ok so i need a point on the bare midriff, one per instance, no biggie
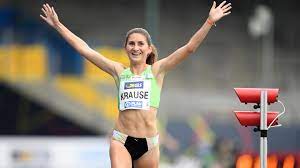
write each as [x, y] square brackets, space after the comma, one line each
[137, 123]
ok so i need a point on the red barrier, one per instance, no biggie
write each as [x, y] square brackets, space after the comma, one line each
[252, 95]
[252, 118]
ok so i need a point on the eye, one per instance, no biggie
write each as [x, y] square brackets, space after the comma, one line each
[131, 43]
[141, 43]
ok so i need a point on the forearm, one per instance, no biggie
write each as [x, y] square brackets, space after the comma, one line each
[182, 53]
[77, 43]
[198, 37]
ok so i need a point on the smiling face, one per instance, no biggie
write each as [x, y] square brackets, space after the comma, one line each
[137, 48]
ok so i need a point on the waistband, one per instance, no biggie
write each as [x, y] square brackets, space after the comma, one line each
[121, 137]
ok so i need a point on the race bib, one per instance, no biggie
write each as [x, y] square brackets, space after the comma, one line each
[135, 94]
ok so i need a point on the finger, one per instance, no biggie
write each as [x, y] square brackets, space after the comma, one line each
[227, 13]
[44, 11]
[54, 11]
[45, 8]
[214, 5]
[227, 9]
[45, 19]
[222, 4]
[225, 6]
[49, 8]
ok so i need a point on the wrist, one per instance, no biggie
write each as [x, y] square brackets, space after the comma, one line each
[57, 25]
[210, 22]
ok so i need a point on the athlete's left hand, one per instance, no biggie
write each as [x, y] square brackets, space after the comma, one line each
[216, 13]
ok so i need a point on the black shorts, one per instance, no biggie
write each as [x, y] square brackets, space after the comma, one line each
[136, 147]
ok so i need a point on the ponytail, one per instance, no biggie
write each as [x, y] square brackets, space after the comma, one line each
[152, 57]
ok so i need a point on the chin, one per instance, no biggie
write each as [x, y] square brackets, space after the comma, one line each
[136, 61]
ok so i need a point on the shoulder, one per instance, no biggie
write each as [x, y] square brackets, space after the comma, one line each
[157, 72]
[119, 68]
[157, 68]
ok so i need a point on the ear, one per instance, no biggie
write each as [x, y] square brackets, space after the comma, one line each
[150, 49]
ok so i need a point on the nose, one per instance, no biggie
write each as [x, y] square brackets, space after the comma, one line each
[135, 48]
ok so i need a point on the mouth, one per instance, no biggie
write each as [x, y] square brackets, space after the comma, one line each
[135, 54]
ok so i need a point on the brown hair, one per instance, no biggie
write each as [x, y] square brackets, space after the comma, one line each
[152, 57]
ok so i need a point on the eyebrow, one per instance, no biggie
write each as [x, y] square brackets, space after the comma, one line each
[137, 41]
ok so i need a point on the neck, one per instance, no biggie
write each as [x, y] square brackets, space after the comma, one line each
[137, 69]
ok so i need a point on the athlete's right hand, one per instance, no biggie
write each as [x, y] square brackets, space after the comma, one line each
[50, 15]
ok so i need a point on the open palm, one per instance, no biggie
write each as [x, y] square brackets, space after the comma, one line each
[216, 13]
[50, 15]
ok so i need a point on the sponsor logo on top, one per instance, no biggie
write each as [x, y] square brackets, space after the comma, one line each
[134, 85]
[136, 104]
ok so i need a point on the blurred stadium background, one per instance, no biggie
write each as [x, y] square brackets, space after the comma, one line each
[57, 109]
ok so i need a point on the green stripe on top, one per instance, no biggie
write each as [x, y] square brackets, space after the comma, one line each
[147, 74]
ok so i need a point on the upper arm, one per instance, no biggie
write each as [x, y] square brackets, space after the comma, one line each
[173, 59]
[111, 67]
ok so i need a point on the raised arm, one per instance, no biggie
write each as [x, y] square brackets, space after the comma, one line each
[215, 14]
[107, 65]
